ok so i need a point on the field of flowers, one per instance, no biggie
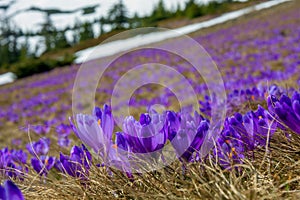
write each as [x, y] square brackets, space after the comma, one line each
[52, 154]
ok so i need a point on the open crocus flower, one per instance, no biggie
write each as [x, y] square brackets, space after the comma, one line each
[147, 135]
[43, 164]
[41, 129]
[9, 191]
[96, 130]
[286, 110]
[186, 133]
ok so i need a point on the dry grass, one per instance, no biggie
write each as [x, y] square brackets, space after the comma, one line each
[274, 173]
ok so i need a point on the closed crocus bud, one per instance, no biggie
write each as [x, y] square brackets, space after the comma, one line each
[10, 191]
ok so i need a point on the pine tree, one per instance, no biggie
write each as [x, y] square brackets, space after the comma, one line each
[160, 12]
[192, 9]
[61, 40]
[86, 31]
[48, 31]
[117, 15]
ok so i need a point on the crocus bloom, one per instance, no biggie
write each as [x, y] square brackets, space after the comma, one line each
[96, 130]
[147, 135]
[230, 148]
[254, 127]
[43, 164]
[63, 131]
[41, 147]
[244, 126]
[77, 164]
[186, 133]
[9, 191]
[12, 163]
[41, 129]
[264, 125]
[286, 110]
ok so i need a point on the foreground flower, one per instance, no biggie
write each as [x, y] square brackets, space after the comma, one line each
[95, 130]
[77, 164]
[286, 110]
[9, 191]
[264, 126]
[147, 135]
[186, 133]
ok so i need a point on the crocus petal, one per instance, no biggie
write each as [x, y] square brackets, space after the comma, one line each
[90, 132]
[296, 108]
[12, 192]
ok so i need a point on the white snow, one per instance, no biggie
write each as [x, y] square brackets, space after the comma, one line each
[7, 78]
[118, 46]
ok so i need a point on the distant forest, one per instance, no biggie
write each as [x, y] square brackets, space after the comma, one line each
[18, 58]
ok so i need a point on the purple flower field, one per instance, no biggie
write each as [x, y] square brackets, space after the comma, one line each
[52, 153]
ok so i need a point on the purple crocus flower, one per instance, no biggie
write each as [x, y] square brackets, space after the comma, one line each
[19, 156]
[41, 147]
[147, 135]
[286, 110]
[41, 129]
[9, 191]
[63, 131]
[12, 163]
[264, 125]
[244, 126]
[230, 148]
[186, 133]
[254, 127]
[64, 142]
[77, 164]
[96, 130]
[43, 164]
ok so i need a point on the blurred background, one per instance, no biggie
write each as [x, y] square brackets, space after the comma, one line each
[40, 35]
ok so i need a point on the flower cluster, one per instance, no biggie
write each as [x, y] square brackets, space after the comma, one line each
[13, 163]
[238, 139]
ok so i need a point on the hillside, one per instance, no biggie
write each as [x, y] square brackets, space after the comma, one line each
[239, 139]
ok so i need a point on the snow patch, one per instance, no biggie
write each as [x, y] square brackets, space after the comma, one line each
[7, 78]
